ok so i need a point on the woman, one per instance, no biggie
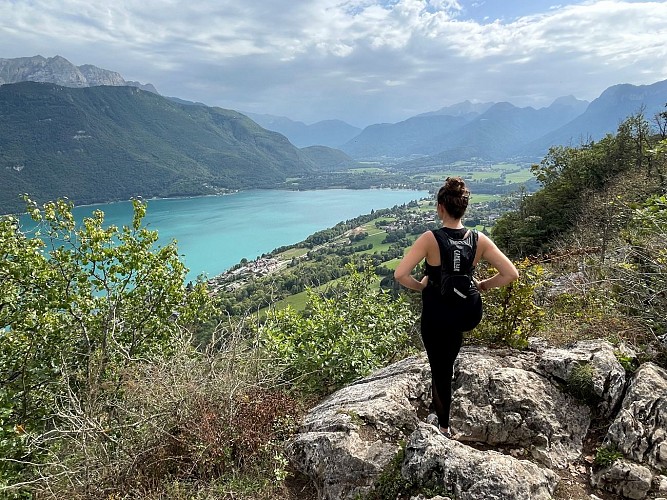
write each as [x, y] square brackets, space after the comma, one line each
[443, 320]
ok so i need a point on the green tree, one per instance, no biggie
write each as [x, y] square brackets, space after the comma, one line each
[568, 176]
[78, 305]
[511, 314]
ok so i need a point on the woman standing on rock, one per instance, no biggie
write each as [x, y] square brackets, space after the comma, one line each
[450, 296]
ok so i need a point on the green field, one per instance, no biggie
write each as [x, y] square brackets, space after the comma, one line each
[512, 173]
[521, 176]
[375, 237]
[484, 198]
[487, 174]
[299, 300]
[293, 252]
[367, 170]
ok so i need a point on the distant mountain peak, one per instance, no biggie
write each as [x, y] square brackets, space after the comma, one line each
[332, 133]
[60, 71]
[464, 108]
[569, 101]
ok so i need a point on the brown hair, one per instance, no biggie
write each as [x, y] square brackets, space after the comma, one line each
[453, 196]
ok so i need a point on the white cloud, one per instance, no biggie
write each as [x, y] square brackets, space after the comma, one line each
[359, 60]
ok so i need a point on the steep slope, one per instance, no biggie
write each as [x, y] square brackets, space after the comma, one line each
[464, 134]
[329, 159]
[107, 143]
[414, 136]
[604, 115]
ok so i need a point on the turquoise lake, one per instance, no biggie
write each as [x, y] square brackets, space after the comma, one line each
[214, 233]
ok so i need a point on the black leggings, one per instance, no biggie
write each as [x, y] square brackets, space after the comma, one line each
[442, 327]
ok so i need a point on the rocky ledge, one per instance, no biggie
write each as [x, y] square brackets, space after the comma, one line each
[521, 421]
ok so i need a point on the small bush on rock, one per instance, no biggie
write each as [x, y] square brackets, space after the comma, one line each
[607, 455]
[580, 384]
[511, 314]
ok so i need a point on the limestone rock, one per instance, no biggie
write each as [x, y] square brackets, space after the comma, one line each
[471, 474]
[640, 428]
[346, 441]
[437, 497]
[625, 478]
[499, 401]
[60, 71]
[608, 375]
[660, 484]
[510, 400]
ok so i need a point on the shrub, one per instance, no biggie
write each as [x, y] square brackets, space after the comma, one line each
[187, 421]
[339, 337]
[581, 385]
[78, 307]
[628, 362]
[641, 277]
[607, 455]
[391, 483]
[511, 314]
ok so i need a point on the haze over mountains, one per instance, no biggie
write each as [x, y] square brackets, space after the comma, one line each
[499, 131]
[86, 135]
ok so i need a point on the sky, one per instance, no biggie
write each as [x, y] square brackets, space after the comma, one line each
[360, 61]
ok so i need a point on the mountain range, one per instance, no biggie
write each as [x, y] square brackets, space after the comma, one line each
[483, 131]
[330, 133]
[486, 131]
[87, 133]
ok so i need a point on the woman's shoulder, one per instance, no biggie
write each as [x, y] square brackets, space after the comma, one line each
[485, 243]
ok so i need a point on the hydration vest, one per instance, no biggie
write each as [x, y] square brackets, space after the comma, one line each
[456, 264]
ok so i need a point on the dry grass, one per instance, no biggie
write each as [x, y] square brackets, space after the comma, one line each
[194, 425]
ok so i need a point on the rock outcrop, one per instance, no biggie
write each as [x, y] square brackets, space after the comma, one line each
[346, 441]
[625, 478]
[499, 401]
[517, 424]
[607, 374]
[469, 474]
[640, 428]
[60, 71]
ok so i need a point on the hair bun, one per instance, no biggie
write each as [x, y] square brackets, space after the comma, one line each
[453, 196]
[455, 186]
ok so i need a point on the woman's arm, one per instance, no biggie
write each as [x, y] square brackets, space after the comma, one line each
[506, 270]
[415, 255]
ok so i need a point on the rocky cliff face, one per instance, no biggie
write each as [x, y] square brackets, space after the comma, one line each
[522, 431]
[60, 71]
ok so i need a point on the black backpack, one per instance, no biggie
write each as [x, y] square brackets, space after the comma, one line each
[456, 264]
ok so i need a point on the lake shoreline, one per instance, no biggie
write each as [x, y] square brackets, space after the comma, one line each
[215, 232]
[190, 197]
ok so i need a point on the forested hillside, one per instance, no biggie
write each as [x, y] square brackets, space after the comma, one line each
[588, 185]
[113, 143]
